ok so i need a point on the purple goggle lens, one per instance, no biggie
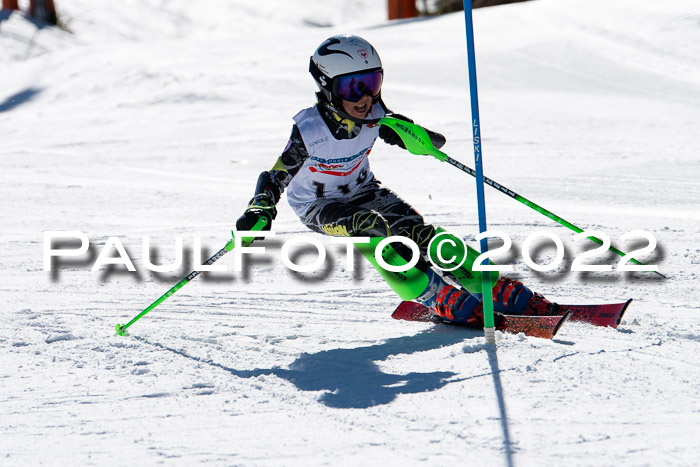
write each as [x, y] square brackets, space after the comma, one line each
[353, 87]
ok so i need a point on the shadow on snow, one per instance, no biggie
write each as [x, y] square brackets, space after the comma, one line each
[351, 378]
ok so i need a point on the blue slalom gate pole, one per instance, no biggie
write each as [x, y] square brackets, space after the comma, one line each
[487, 296]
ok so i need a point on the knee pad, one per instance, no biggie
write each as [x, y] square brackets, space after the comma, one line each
[421, 235]
[369, 224]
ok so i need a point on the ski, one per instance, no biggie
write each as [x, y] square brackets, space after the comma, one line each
[537, 326]
[598, 315]
[545, 327]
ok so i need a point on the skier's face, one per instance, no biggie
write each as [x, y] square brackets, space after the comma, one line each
[358, 109]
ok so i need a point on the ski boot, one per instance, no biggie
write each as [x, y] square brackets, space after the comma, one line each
[513, 298]
[455, 305]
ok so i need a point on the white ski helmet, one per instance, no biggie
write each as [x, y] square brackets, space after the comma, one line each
[346, 67]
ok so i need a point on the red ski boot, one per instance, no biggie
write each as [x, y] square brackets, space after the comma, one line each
[513, 298]
[459, 306]
[540, 306]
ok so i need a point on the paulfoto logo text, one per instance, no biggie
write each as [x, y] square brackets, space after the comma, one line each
[440, 252]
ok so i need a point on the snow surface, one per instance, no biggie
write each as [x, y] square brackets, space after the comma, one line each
[154, 119]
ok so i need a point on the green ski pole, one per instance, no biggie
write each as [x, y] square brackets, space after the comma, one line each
[417, 141]
[121, 328]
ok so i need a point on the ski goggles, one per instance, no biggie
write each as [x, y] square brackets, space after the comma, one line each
[353, 87]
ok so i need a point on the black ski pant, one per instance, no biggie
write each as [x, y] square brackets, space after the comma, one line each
[374, 211]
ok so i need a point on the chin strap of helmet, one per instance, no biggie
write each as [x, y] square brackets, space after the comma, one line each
[345, 116]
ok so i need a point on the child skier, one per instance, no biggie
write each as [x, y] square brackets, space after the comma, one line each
[325, 170]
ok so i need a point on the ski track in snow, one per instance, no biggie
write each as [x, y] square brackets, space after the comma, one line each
[155, 121]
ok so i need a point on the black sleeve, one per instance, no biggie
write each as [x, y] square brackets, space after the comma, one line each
[286, 166]
[292, 158]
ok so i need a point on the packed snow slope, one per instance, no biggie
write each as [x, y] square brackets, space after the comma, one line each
[154, 119]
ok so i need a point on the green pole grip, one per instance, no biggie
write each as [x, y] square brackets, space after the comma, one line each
[414, 137]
